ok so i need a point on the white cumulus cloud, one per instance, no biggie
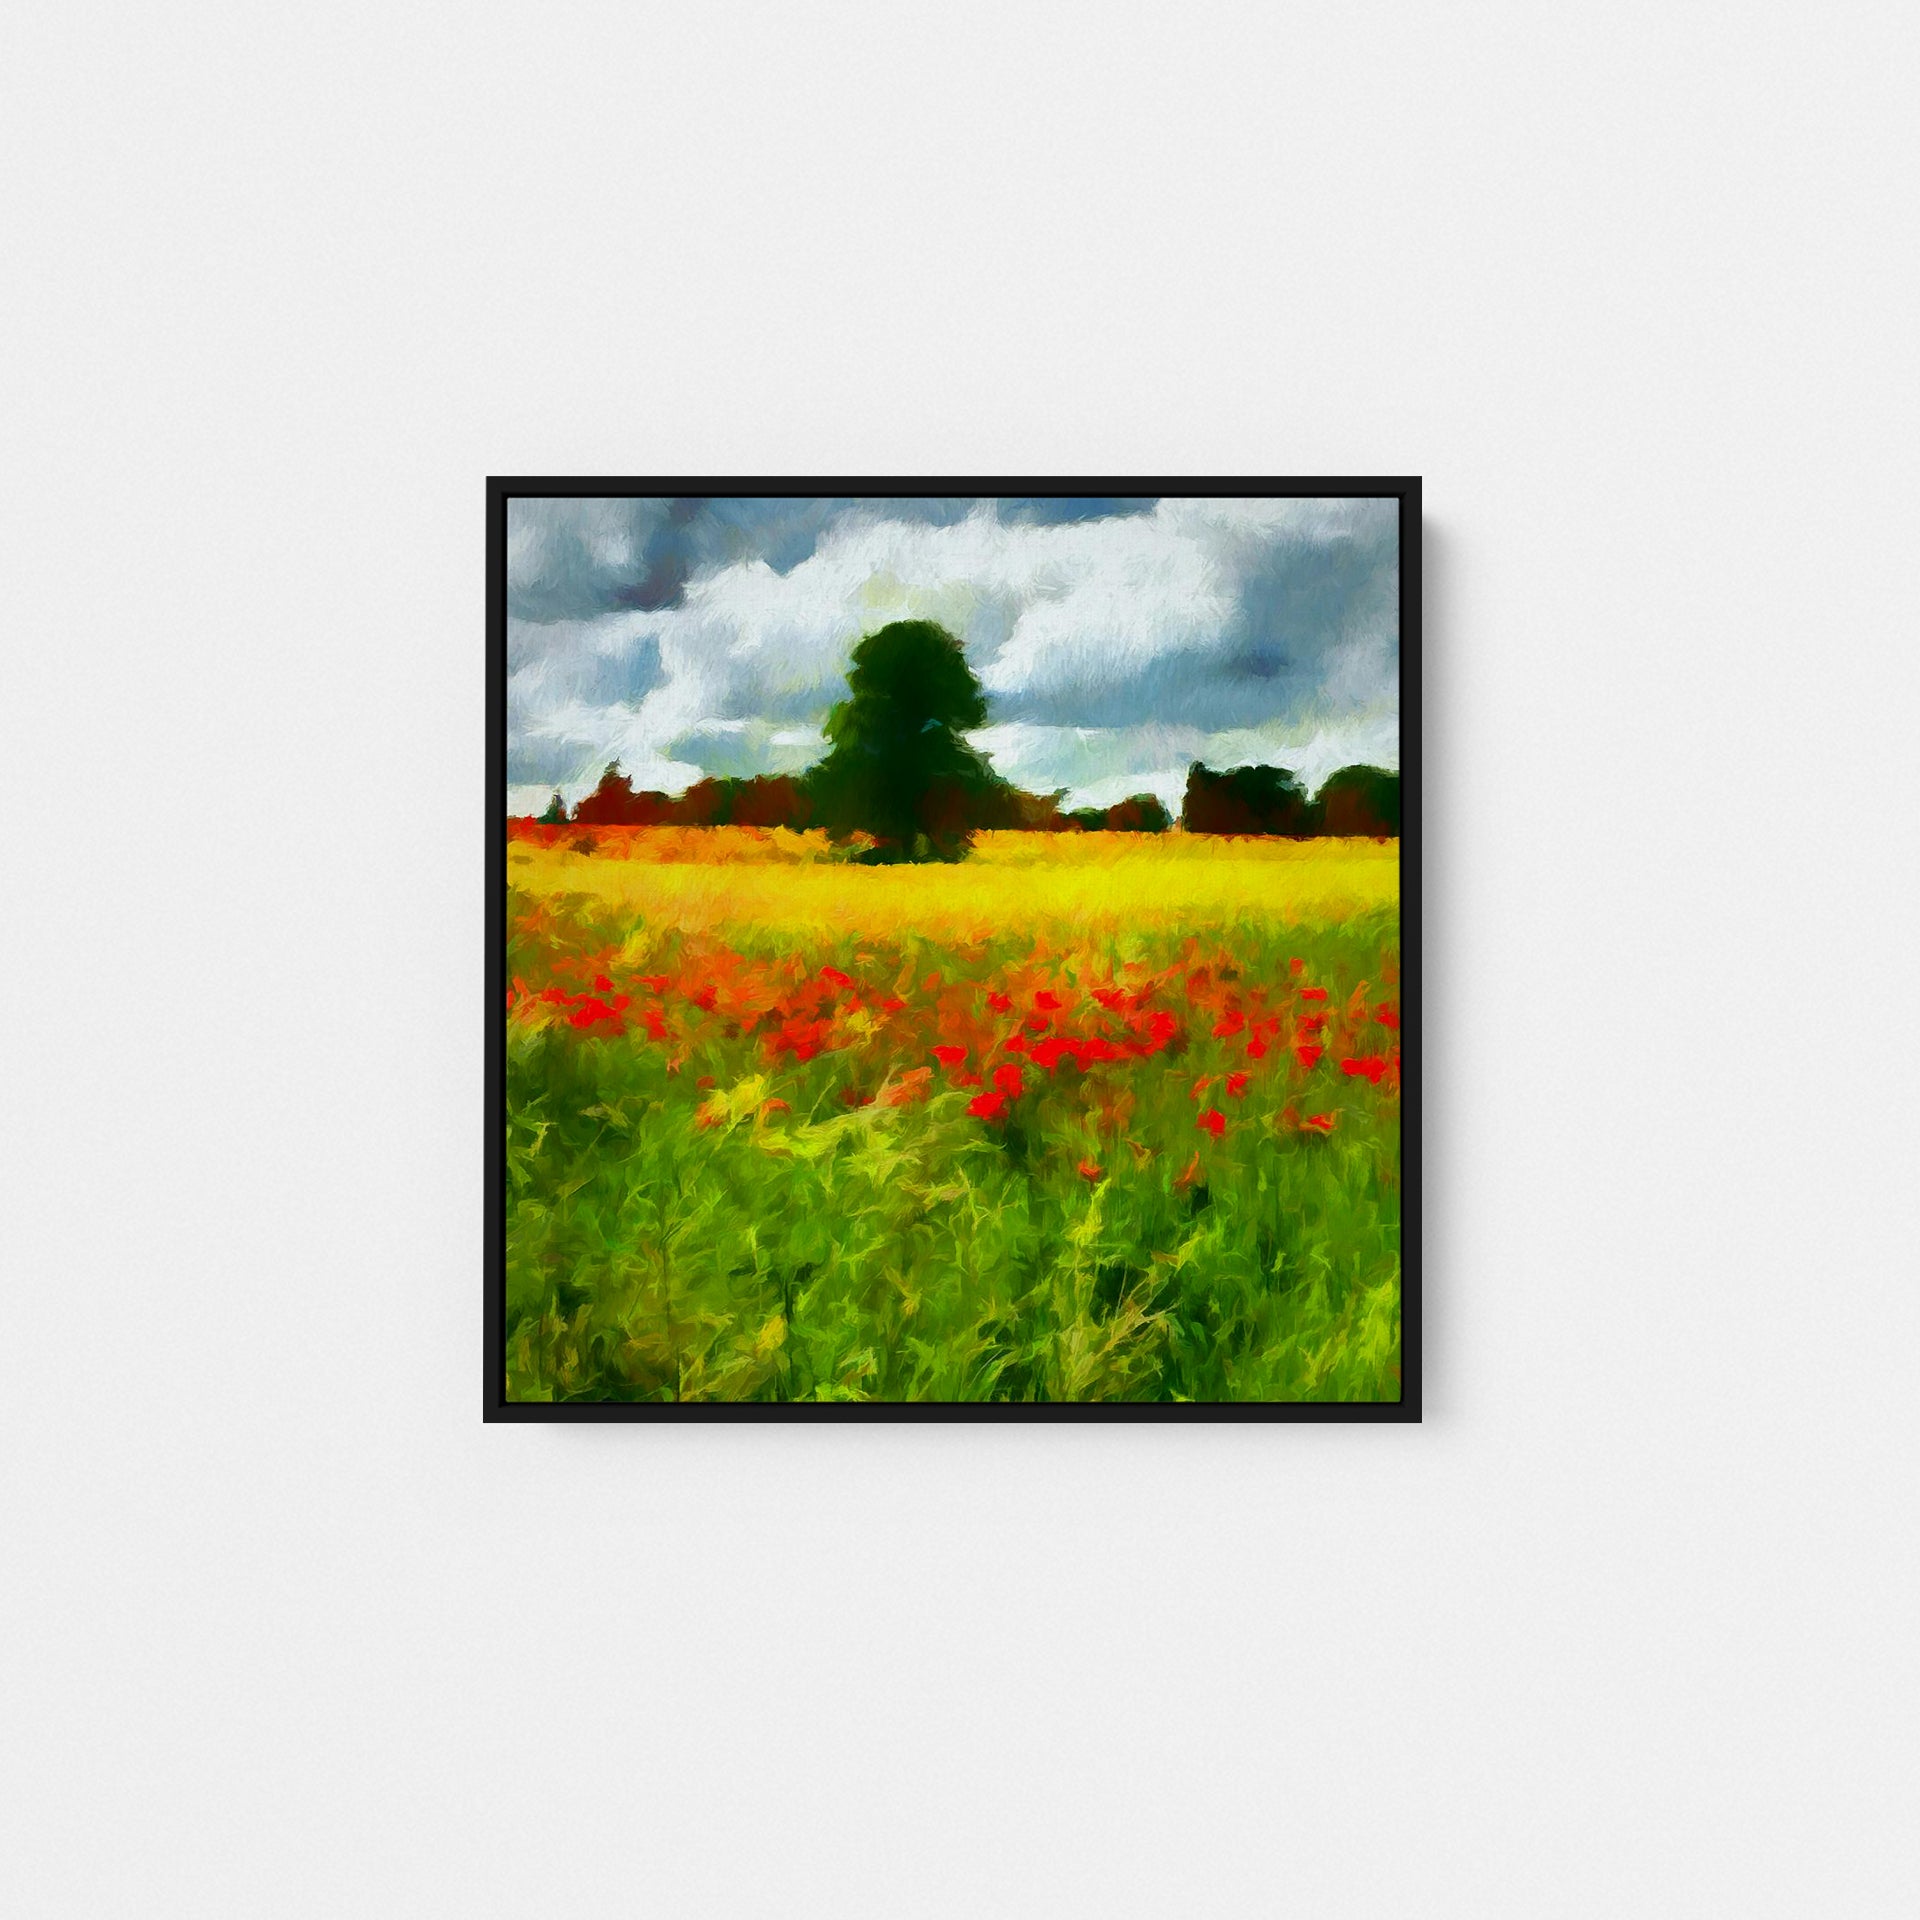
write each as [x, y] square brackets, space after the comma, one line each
[1114, 648]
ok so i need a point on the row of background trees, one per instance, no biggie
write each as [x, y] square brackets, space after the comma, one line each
[1252, 800]
[899, 769]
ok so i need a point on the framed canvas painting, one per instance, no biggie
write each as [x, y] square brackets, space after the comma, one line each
[953, 950]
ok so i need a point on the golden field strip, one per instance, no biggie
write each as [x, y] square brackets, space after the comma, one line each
[695, 880]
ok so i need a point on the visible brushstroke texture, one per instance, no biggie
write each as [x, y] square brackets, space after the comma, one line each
[1118, 641]
[875, 1029]
[1088, 1116]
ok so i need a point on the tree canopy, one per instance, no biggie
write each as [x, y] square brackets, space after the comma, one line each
[898, 768]
[1360, 800]
[1246, 800]
[1356, 801]
[1138, 813]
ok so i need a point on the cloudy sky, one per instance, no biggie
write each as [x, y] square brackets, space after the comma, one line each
[1118, 639]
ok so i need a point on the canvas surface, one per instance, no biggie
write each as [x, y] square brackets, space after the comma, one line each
[953, 951]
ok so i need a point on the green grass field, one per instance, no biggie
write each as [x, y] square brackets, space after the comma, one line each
[1155, 1157]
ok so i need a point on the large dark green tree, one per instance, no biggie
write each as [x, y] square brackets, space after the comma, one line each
[898, 767]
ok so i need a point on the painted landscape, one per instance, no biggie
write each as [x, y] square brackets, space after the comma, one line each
[886, 1075]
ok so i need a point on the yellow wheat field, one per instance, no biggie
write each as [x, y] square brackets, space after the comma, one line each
[702, 879]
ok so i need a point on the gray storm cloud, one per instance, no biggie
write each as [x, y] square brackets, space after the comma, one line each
[1118, 640]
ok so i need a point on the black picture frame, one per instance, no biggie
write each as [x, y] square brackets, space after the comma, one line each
[497, 1407]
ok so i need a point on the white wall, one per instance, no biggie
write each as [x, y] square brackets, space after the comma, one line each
[1625, 1627]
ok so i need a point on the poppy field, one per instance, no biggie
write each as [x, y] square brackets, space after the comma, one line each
[1085, 1117]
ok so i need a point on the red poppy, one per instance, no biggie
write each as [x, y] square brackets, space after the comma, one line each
[1000, 1003]
[1257, 1047]
[801, 1038]
[949, 1056]
[1008, 1081]
[1236, 1085]
[773, 1106]
[1088, 1170]
[656, 1025]
[834, 977]
[1159, 1029]
[1372, 1066]
[1200, 1086]
[1308, 1054]
[1228, 1025]
[986, 1106]
[1047, 1002]
[1296, 967]
[893, 1005]
[1317, 1123]
[1018, 1043]
[1388, 1017]
[1048, 1053]
[654, 982]
[1313, 993]
[1213, 1121]
[601, 981]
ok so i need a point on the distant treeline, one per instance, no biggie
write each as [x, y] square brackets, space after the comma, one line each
[1356, 800]
[1362, 801]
